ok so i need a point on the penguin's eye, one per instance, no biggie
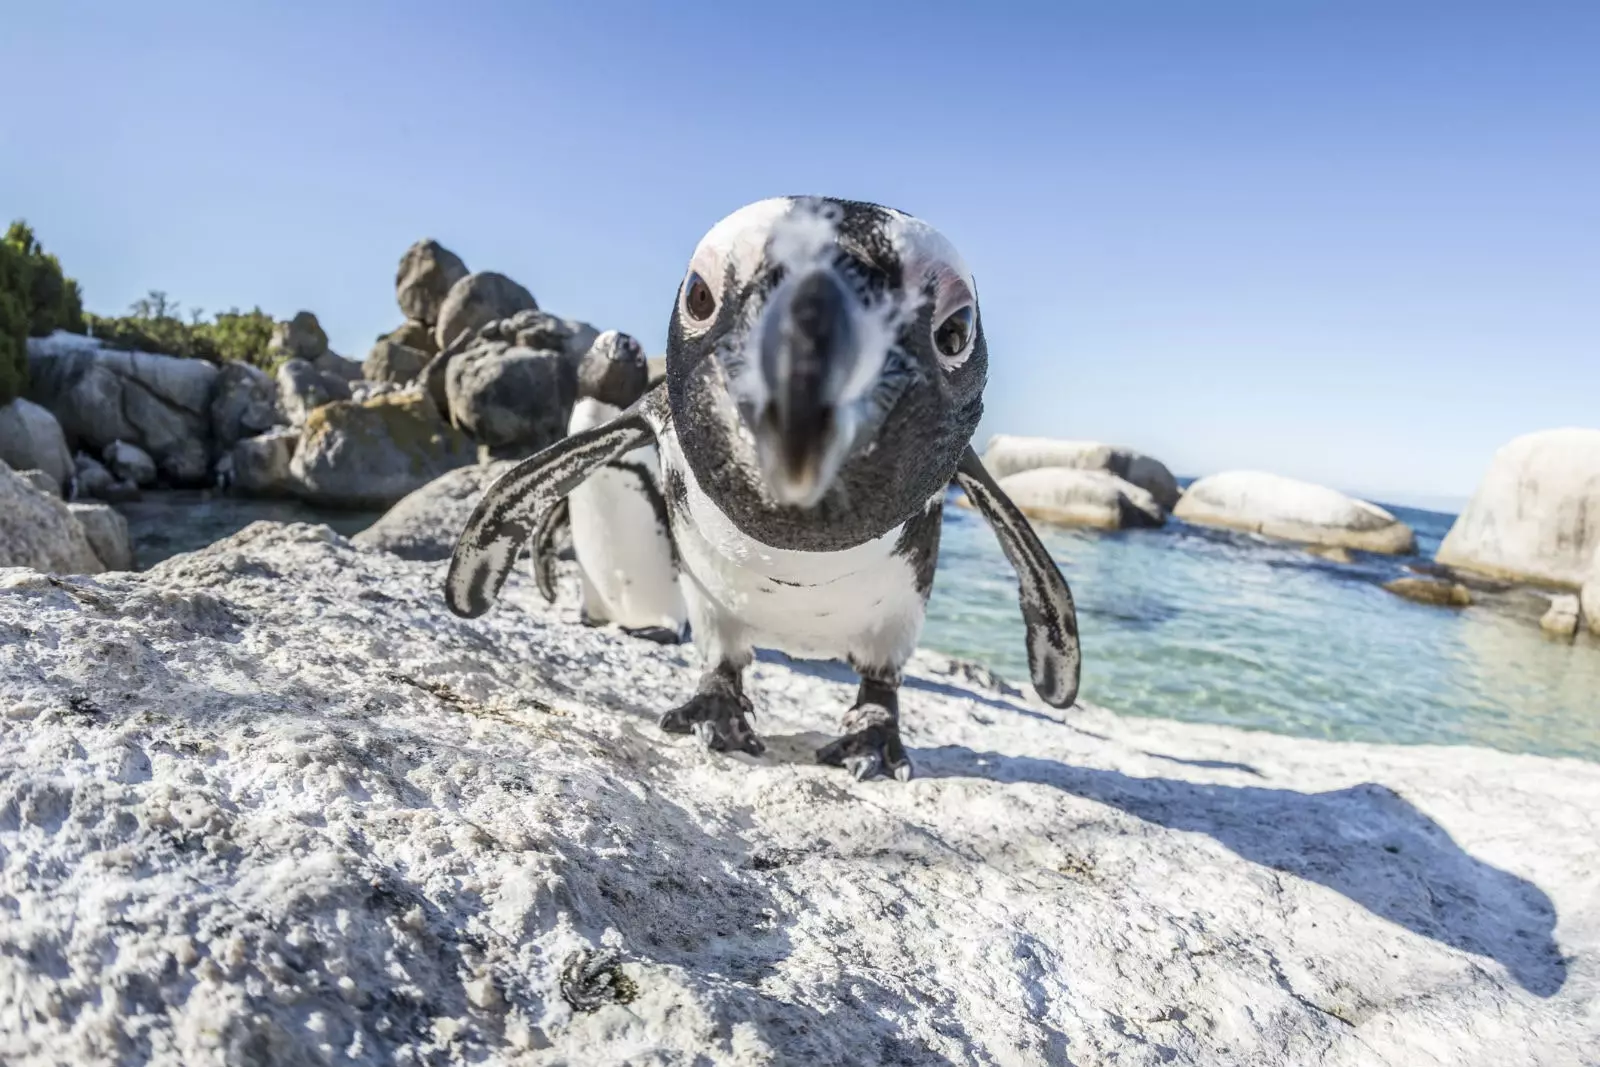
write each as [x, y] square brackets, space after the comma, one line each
[698, 301]
[954, 333]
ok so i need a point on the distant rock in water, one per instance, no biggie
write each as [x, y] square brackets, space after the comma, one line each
[1292, 510]
[477, 300]
[31, 439]
[1536, 514]
[1562, 618]
[1431, 591]
[370, 455]
[1589, 598]
[1007, 454]
[426, 523]
[1093, 498]
[427, 271]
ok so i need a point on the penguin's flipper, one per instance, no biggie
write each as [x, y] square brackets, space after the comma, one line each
[515, 505]
[1053, 654]
[544, 549]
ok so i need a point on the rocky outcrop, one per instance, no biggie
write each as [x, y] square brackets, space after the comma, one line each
[261, 465]
[129, 463]
[93, 480]
[31, 439]
[99, 395]
[390, 361]
[512, 400]
[426, 523]
[1094, 498]
[272, 799]
[1431, 591]
[1292, 510]
[302, 388]
[427, 272]
[1536, 514]
[38, 530]
[1007, 454]
[476, 300]
[108, 535]
[370, 455]
[244, 404]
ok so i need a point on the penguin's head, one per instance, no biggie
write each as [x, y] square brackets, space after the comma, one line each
[825, 361]
[614, 370]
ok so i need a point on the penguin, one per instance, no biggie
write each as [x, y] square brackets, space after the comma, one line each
[617, 518]
[826, 363]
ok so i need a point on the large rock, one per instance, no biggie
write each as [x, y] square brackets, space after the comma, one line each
[261, 465]
[38, 530]
[414, 334]
[390, 361]
[31, 439]
[426, 523]
[475, 301]
[273, 803]
[337, 366]
[1094, 498]
[427, 272]
[244, 404]
[1007, 454]
[301, 337]
[108, 534]
[513, 400]
[302, 388]
[1536, 514]
[1432, 591]
[91, 479]
[1275, 506]
[370, 455]
[101, 395]
[129, 463]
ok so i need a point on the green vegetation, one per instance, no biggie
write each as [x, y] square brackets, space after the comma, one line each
[154, 324]
[36, 299]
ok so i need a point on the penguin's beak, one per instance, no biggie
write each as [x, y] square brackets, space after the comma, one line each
[810, 350]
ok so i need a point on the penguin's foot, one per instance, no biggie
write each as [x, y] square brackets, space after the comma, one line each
[871, 745]
[659, 634]
[718, 714]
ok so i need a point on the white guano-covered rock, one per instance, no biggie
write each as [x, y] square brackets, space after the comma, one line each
[1292, 510]
[1536, 514]
[273, 799]
[1008, 454]
[31, 439]
[1092, 498]
[38, 530]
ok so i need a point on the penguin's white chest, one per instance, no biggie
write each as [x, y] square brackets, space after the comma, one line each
[859, 604]
[620, 537]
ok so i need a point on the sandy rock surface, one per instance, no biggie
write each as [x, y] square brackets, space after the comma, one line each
[271, 803]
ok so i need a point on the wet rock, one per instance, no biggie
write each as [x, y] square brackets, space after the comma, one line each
[1431, 591]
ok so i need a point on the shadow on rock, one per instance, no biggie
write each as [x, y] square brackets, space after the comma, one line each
[1365, 842]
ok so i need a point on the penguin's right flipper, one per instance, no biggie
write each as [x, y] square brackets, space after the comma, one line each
[544, 548]
[1053, 655]
[516, 504]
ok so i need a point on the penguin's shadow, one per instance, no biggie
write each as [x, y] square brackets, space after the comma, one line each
[1365, 842]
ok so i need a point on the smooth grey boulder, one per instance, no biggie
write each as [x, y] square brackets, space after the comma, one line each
[477, 300]
[390, 361]
[276, 788]
[38, 530]
[425, 524]
[1098, 499]
[260, 465]
[1536, 514]
[92, 480]
[129, 463]
[162, 404]
[369, 455]
[107, 532]
[1292, 510]
[302, 388]
[31, 439]
[301, 337]
[427, 272]
[414, 334]
[244, 404]
[1008, 454]
[512, 400]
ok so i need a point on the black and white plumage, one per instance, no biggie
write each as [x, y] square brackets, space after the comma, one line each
[825, 372]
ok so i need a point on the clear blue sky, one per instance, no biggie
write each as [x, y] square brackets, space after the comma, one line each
[1357, 242]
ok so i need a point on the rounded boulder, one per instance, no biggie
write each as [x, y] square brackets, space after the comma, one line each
[1291, 510]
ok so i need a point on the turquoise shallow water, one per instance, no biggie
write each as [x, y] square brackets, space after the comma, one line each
[1185, 623]
[1192, 624]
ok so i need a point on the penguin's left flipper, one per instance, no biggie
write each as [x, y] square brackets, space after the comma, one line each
[516, 504]
[1054, 658]
[544, 549]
